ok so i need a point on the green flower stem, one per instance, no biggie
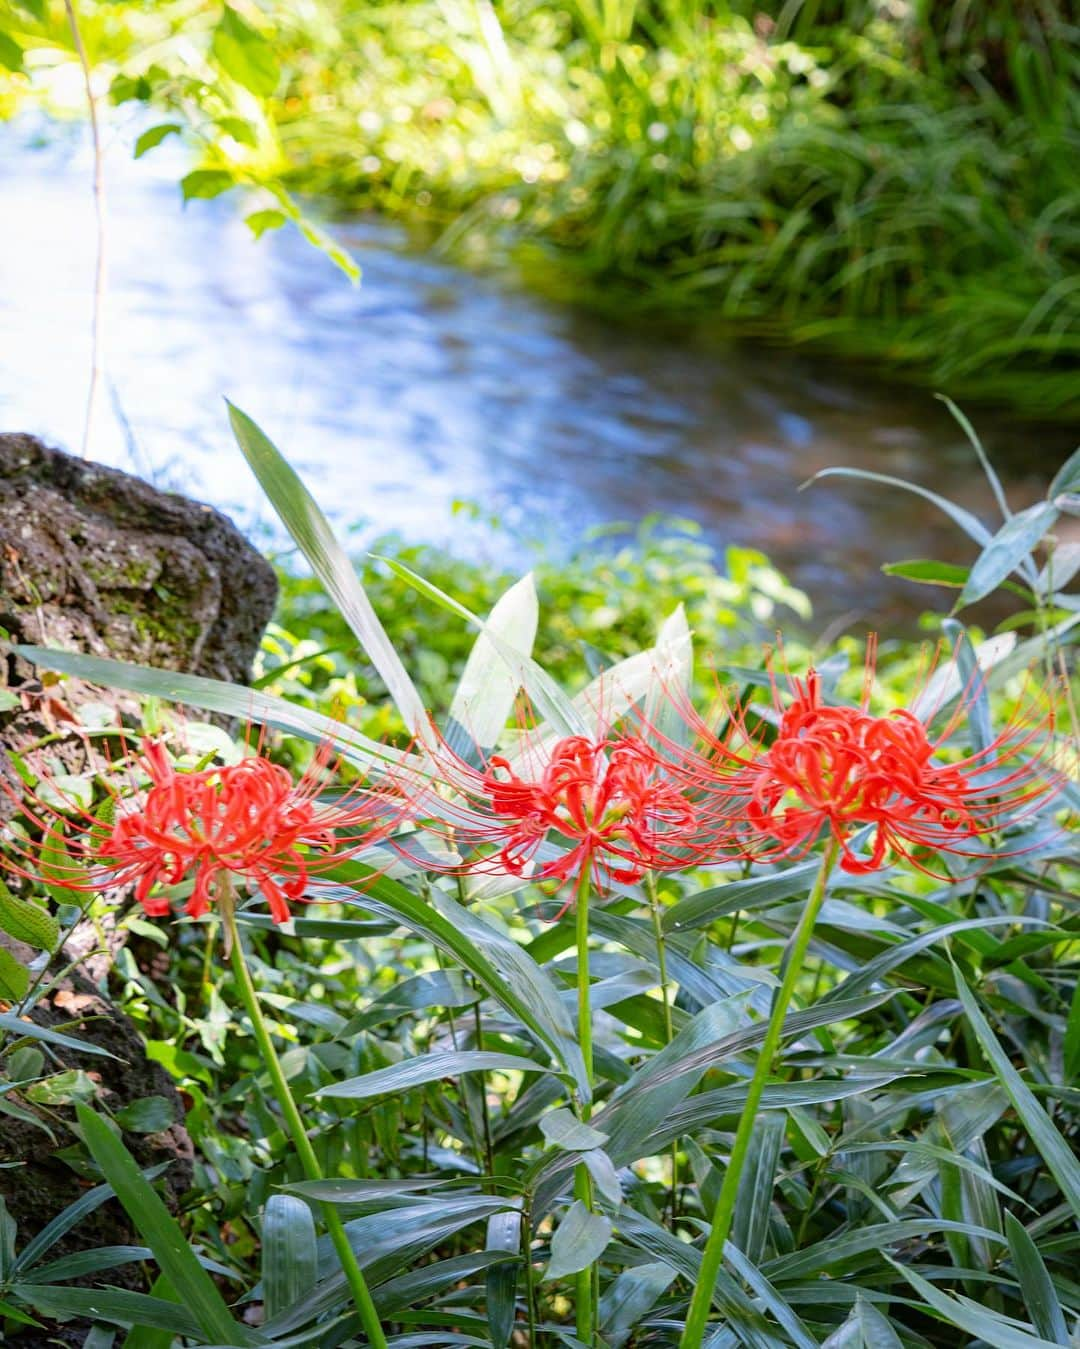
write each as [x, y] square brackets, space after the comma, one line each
[698, 1316]
[369, 1317]
[586, 1309]
[669, 1032]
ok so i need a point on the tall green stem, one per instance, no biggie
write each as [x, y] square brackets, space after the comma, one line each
[669, 1031]
[698, 1316]
[586, 1309]
[369, 1317]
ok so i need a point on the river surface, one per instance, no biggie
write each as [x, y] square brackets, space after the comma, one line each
[427, 385]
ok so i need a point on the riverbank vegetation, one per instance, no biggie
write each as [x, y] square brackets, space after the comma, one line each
[890, 179]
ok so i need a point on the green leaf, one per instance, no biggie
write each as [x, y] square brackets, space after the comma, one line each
[290, 1259]
[865, 1328]
[154, 136]
[969, 1317]
[308, 526]
[147, 1115]
[245, 54]
[1010, 547]
[1040, 1296]
[118, 1306]
[258, 222]
[743, 896]
[564, 1130]
[216, 695]
[488, 686]
[503, 1234]
[206, 183]
[14, 978]
[500, 965]
[11, 55]
[28, 1030]
[579, 1240]
[750, 1225]
[177, 1261]
[27, 922]
[970, 524]
[929, 572]
[82, 1263]
[1067, 479]
[411, 1073]
[1056, 1153]
[626, 1302]
[241, 131]
[63, 1088]
[10, 1313]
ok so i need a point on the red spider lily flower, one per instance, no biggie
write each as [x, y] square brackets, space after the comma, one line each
[249, 819]
[839, 770]
[607, 807]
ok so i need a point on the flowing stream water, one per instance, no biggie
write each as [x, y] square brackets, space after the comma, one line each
[427, 385]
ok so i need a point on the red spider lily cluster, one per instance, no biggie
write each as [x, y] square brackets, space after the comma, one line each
[619, 807]
[840, 770]
[249, 820]
[608, 809]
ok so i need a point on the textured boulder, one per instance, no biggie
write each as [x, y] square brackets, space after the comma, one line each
[94, 559]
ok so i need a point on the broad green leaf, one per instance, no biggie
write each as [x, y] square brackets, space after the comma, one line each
[625, 1303]
[833, 1252]
[234, 700]
[259, 222]
[27, 1029]
[604, 1176]
[361, 1192]
[1040, 1296]
[1067, 479]
[739, 896]
[82, 1263]
[564, 1130]
[154, 135]
[308, 526]
[579, 1240]
[399, 1077]
[437, 988]
[148, 1115]
[397, 1294]
[1056, 1153]
[120, 1307]
[502, 967]
[485, 695]
[176, 1259]
[750, 1225]
[14, 977]
[202, 184]
[759, 1285]
[11, 54]
[968, 1316]
[504, 1234]
[929, 573]
[290, 1262]
[1008, 550]
[10, 1313]
[547, 697]
[865, 1328]
[27, 922]
[245, 55]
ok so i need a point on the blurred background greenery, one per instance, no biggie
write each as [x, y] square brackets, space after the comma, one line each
[887, 179]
